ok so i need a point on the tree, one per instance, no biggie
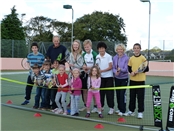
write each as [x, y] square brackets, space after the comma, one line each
[100, 26]
[11, 29]
[170, 56]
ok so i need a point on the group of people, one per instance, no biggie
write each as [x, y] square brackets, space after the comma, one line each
[91, 72]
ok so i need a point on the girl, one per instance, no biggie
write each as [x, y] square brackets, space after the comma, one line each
[62, 91]
[76, 59]
[94, 81]
[76, 86]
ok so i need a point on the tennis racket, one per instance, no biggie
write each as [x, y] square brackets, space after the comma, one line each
[143, 67]
[39, 81]
[117, 64]
[56, 80]
[25, 64]
[98, 62]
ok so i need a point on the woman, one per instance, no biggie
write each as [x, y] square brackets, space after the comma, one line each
[120, 70]
[76, 59]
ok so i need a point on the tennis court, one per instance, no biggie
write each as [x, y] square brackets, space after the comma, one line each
[17, 117]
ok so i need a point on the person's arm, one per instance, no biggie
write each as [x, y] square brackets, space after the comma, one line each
[98, 83]
[125, 67]
[66, 84]
[107, 69]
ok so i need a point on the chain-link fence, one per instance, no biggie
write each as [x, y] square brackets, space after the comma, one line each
[20, 48]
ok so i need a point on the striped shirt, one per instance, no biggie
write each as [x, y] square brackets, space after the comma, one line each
[35, 59]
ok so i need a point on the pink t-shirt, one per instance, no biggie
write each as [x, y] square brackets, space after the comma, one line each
[94, 83]
[77, 85]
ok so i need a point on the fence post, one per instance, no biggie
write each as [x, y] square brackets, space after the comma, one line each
[12, 48]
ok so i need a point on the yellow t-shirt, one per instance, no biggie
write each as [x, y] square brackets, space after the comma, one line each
[134, 63]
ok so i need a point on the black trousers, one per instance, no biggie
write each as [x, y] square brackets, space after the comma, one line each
[139, 93]
[28, 88]
[107, 82]
[121, 94]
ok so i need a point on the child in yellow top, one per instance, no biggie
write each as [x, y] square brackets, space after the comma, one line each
[136, 79]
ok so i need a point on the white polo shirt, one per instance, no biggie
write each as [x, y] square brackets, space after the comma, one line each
[103, 63]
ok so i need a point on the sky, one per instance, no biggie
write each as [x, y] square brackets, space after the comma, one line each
[134, 13]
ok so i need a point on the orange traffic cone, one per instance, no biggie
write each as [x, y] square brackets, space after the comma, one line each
[99, 126]
[121, 119]
[37, 115]
[9, 102]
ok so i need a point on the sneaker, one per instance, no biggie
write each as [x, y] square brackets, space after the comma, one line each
[54, 110]
[59, 111]
[120, 114]
[118, 111]
[82, 109]
[25, 102]
[76, 114]
[87, 115]
[34, 107]
[100, 115]
[94, 110]
[65, 113]
[111, 111]
[129, 113]
[140, 115]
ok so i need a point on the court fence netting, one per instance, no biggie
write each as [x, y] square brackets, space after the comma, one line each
[159, 100]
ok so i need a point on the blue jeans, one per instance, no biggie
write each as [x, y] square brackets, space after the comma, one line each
[40, 93]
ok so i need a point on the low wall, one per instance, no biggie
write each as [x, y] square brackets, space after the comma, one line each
[156, 68]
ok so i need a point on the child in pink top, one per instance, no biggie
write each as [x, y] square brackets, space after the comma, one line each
[94, 81]
[75, 92]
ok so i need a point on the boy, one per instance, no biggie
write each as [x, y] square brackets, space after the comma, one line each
[89, 57]
[33, 58]
[39, 80]
[105, 66]
[49, 79]
[136, 79]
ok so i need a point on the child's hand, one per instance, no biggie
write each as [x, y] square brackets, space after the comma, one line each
[72, 88]
[117, 73]
[133, 73]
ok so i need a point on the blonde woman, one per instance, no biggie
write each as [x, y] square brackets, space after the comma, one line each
[76, 59]
[120, 70]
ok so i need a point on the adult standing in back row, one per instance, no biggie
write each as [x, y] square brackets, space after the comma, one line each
[120, 70]
[56, 51]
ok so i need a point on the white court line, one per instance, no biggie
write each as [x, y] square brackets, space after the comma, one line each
[13, 73]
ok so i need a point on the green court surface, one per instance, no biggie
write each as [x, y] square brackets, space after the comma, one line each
[17, 117]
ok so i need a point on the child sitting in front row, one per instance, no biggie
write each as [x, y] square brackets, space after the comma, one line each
[94, 81]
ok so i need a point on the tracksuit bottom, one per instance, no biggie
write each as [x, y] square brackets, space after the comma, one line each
[139, 93]
[107, 82]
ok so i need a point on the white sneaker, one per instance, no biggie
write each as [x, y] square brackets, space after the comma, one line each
[54, 110]
[65, 113]
[140, 115]
[129, 113]
[94, 110]
[82, 109]
[59, 111]
[117, 111]
[111, 111]
[120, 114]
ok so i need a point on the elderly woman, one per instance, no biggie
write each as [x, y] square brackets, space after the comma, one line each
[120, 70]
